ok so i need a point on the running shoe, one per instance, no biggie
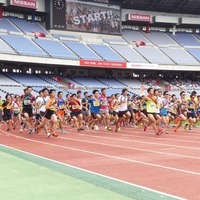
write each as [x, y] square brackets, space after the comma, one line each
[186, 127]
[48, 135]
[109, 129]
[30, 131]
[54, 134]
[96, 128]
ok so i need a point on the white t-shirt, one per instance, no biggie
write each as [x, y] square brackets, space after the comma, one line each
[122, 106]
[41, 102]
[159, 104]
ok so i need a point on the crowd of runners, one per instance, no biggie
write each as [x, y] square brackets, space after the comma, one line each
[50, 112]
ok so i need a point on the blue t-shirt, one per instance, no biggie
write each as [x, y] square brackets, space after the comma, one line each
[94, 105]
[61, 104]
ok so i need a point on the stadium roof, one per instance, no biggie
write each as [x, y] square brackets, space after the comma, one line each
[172, 6]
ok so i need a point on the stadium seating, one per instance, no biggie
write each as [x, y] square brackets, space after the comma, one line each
[154, 55]
[130, 54]
[106, 52]
[55, 48]
[23, 45]
[69, 83]
[185, 39]
[133, 83]
[195, 53]
[5, 48]
[15, 90]
[111, 83]
[29, 79]
[50, 80]
[119, 41]
[27, 26]
[132, 36]
[160, 38]
[2, 94]
[90, 82]
[82, 50]
[4, 80]
[180, 56]
[7, 25]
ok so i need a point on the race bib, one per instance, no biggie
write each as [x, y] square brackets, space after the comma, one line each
[96, 103]
[27, 102]
[74, 107]
[61, 107]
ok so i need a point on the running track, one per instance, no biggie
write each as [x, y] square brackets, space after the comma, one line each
[167, 163]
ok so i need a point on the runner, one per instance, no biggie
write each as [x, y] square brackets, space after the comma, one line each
[191, 111]
[28, 101]
[95, 110]
[61, 110]
[7, 111]
[151, 106]
[16, 111]
[182, 111]
[50, 114]
[164, 111]
[104, 109]
[85, 109]
[76, 112]
[123, 114]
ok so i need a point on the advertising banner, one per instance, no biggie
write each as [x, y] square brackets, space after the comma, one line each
[138, 17]
[32, 4]
[106, 64]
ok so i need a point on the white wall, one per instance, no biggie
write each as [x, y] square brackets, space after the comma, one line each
[3, 1]
[41, 5]
[127, 11]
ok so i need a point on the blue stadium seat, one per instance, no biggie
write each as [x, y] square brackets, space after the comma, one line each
[185, 39]
[82, 50]
[5, 24]
[55, 48]
[23, 45]
[106, 52]
[27, 26]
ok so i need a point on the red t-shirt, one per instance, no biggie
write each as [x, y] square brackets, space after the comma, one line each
[75, 106]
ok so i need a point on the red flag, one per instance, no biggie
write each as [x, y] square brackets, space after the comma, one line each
[39, 34]
[140, 43]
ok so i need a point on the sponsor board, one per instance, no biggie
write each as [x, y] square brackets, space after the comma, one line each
[142, 66]
[104, 64]
[139, 18]
[32, 4]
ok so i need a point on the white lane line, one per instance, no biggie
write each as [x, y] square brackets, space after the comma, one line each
[178, 154]
[138, 141]
[142, 136]
[108, 156]
[88, 171]
[132, 148]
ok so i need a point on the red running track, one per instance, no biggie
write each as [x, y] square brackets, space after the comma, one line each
[167, 163]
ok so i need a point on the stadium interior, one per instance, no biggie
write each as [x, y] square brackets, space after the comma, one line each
[156, 45]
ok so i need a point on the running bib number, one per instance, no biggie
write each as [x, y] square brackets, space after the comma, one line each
[96, 103]
[61, 107]
[74, 107]
[27, 102]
